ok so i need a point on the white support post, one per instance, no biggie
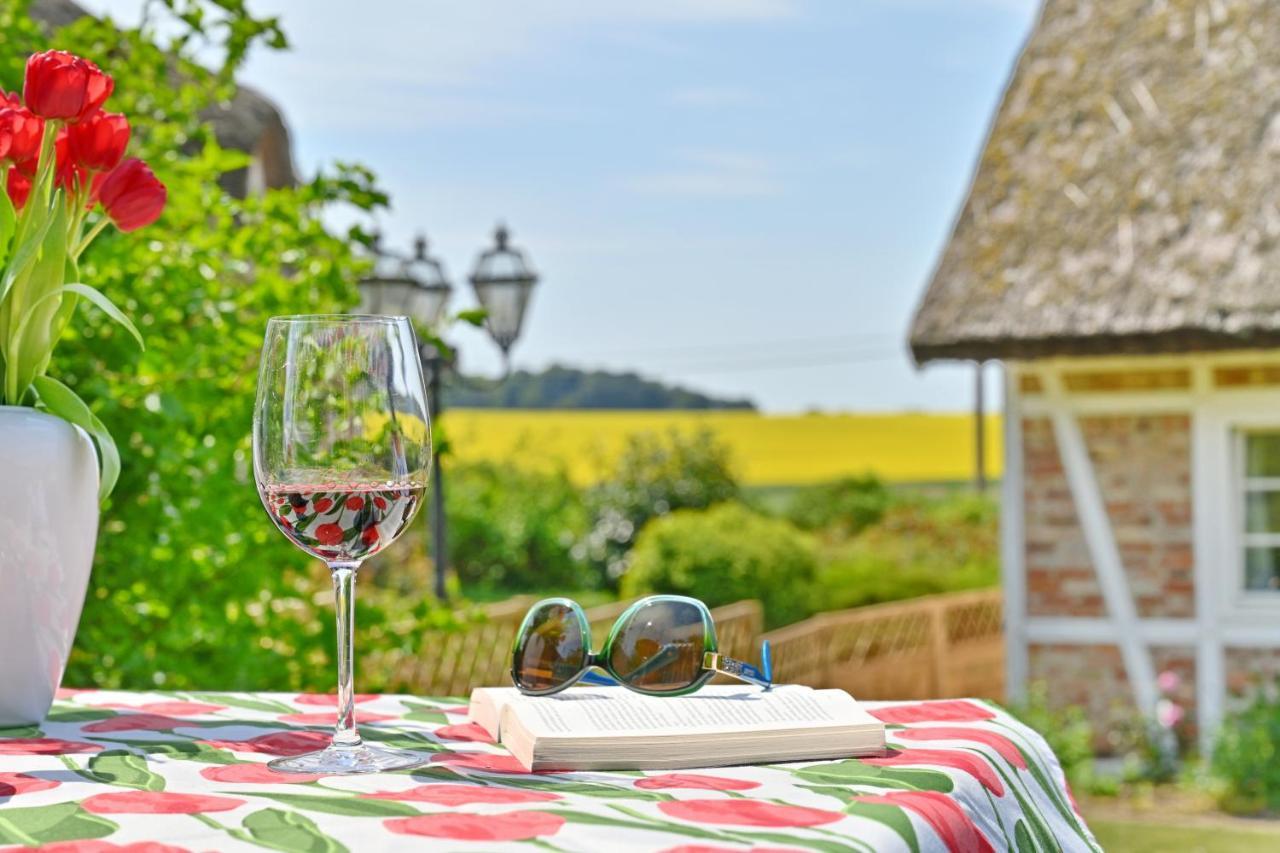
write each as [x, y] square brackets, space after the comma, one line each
[1091, 509]
[1013, 569]
[1207, 500]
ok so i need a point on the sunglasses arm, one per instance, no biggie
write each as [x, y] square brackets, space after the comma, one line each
[742, 670]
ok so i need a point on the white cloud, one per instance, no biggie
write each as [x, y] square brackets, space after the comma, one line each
[710, 173]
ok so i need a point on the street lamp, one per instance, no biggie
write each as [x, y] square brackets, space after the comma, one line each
[503, 281]
[418, 288]
[415, 287]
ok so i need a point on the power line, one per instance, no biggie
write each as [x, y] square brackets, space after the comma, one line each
[749, 346]
[741, 366]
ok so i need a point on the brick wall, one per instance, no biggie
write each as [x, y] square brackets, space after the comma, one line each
[1060, 576]
[1143, 468]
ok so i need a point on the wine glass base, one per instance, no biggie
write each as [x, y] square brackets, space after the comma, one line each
[337, 760]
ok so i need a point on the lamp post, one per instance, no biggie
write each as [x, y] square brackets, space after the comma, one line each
[417, 287]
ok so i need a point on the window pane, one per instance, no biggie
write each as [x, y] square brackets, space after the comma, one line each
[1262, 455]
[1262, 568]
[1262, 512]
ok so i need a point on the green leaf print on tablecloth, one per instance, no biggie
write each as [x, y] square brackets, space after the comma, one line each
[289, 831]
[854, 772]
[45, 824]
[117, 767]
[349, 806]
[119, 770]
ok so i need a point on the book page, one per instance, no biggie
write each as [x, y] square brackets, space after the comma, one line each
[725, 709]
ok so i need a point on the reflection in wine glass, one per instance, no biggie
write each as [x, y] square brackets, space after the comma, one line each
[341, 456]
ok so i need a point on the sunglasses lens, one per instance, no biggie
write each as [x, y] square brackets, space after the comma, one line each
[551, 650]
[660, 646]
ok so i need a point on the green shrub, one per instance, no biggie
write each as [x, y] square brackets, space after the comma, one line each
[725, 554]
[1245, 759]
[845, 506]
[655, 475]
[192, 587]
[919, 547]
[514, 529]
[1068, 733]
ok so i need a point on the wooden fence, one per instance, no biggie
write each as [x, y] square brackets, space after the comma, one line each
[931, 647]
[452, 662]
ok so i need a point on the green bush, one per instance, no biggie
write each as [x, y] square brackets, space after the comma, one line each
[655, 475]
[845, 506]
[192, 587]
[1068, 733]
[515, 530]
[725, 554]
[919, 547]
[1245, 759]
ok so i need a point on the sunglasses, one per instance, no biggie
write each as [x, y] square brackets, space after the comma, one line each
[663, 645]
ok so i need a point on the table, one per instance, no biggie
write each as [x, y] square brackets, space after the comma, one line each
[159, 772]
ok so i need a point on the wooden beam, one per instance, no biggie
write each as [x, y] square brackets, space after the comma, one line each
[1013, 548]
[1091, 510]
[979, 430]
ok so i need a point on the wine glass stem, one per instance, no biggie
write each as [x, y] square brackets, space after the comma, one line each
[345, 732]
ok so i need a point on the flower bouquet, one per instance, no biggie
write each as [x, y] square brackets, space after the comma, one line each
[62, 159]
[66, 180]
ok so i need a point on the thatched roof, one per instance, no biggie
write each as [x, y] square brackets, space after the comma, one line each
[1128, 197]
[250, 122]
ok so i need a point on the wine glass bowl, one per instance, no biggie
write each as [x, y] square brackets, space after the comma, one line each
[341, 457]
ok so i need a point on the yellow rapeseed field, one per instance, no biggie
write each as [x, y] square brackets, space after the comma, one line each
[767, 449]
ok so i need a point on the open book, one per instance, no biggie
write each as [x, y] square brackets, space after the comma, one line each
[610, 728]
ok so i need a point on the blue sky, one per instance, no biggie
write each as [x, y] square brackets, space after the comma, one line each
[744, 196]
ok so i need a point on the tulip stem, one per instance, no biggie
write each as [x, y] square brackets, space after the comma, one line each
[88, 238]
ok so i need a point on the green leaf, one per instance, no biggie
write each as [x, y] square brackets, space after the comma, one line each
[891, 816]
[854, 772]
[8, 219]
[98, 298]
[347, 805]
[20, 731]
[1022, 836]
[46, 824]
[76, 715]
[60, 400]
[260, 704]
[31, 342]
[289, 831]
[24, 256]
[421, 713]
[474, 316]
[117, 767]
[588, 789]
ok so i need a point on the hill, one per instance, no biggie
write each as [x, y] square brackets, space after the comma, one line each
[560, 387]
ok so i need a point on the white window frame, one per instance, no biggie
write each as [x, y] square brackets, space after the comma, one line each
[1243, 484]
[1226, 417]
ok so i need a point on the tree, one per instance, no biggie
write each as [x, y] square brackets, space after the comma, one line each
[191, 586]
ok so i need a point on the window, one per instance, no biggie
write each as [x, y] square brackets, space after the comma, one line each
[1259, 454]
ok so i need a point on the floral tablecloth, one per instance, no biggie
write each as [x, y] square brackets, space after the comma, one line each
[115, 771]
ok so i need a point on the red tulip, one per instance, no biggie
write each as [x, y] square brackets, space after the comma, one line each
[68, 174]
[20, 130]
[132, 195]
[60, 85]
[944, 815]
[98, 142]
[18, 186]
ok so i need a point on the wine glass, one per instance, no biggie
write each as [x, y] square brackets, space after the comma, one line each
[341, 455]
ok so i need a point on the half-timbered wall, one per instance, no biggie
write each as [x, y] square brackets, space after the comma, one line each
[1122, 530]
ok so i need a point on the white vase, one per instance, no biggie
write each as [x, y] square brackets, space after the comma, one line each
[48, 526]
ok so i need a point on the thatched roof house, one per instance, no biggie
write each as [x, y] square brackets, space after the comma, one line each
[250, 122]
[1119, 251]
[1126, 198]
